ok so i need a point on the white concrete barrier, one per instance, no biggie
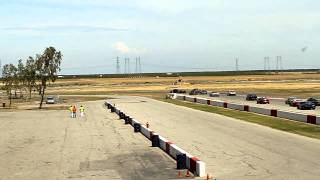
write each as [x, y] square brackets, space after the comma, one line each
[260, 110]
[292, 116]
[235, 106]
[190, 99]
[318, 120]
[179, 97]
[218, 103]
[202, 100]
[146, 131]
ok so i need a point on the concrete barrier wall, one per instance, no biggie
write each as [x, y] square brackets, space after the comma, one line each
[292, 115]
[318, 120]
[235, 106]
[190, 99]
[218, 103]
[260, 110]
[197, 167]
[202, 100]
[179, 97]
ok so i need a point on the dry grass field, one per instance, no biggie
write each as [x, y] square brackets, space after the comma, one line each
[281, 85]
[278, 85]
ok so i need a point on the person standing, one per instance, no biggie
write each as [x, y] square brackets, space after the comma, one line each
[74, 111]
[81, 109]
[70, 110]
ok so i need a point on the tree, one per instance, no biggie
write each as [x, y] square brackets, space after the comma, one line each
[20, 80]
[30, 75]
[47, 67]
[9, 77]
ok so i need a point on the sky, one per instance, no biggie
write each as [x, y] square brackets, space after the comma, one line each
[168, 35]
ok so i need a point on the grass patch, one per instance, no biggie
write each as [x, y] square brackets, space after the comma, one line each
[300, 128]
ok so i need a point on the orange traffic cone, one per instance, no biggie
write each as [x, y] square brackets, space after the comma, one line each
[208, 177]
[188, 173]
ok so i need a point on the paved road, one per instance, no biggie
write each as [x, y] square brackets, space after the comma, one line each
[274, 104]
[232, 149]
[49, 145]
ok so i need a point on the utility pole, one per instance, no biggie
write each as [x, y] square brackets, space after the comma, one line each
[136, 70]
[118, 66]
[139, 64]
[237, 64]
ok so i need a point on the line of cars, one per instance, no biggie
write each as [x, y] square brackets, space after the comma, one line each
[309, 104]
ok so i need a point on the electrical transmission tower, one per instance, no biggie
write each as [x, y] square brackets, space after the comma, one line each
[118, 66]
[278, 63]
[266, 63]
[138, 65]
[126, 65]
[237, 64]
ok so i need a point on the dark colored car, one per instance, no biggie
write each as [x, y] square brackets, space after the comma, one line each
[314, 101]
[198, 92]
[251, 97]
[178, 91]
[290, 99]
[306, 105]
[263, 100]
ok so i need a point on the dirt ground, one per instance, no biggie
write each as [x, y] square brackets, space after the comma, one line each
[37, 145]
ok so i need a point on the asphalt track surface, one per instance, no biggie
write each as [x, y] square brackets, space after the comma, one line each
[231, 149]
[274, 104]
[38, 145]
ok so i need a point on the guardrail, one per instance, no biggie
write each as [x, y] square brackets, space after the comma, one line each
[183, 158]
[312, 119]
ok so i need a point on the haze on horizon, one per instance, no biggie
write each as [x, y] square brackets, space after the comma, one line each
[168, 35]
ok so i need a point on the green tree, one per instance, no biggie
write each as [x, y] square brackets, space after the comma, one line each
[47, 67]
[30, 75]
[9, 77]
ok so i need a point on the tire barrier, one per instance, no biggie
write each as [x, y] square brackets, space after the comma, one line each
[311, 119]
[184, 160]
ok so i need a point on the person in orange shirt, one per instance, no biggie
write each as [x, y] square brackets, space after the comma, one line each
[74, 111]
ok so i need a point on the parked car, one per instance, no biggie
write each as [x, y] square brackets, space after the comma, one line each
[295, 102]
[50, 100]
[231, 93]
[178, 91]
[197, 92]
[315, 101]
[306, 105]
[263, 100]
[251, 97]
[289, 100]
[214, 94]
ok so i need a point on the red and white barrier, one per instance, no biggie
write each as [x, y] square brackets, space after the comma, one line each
[196, 166]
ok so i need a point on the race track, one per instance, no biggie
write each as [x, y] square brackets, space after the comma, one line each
[231, 149]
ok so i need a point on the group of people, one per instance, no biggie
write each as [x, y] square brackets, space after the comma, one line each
[73, 111]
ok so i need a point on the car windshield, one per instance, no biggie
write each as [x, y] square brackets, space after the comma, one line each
[49, 98]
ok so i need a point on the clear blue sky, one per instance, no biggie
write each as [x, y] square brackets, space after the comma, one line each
[169, 35]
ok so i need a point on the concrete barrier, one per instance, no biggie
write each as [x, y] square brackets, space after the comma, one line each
[260, 110]
[202, 101]
[190, 99]
[196, 166]
[235, 106]
[292, 116]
